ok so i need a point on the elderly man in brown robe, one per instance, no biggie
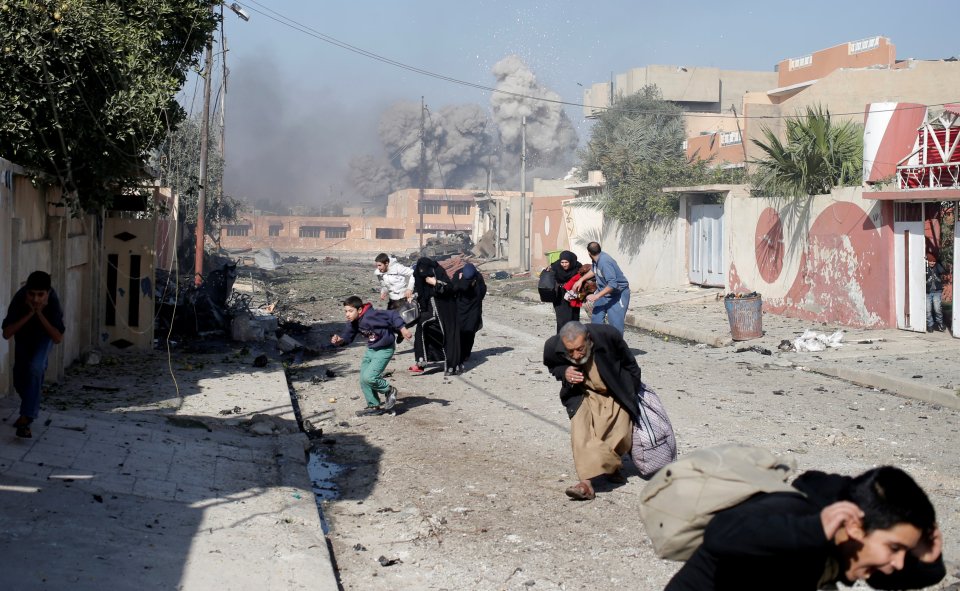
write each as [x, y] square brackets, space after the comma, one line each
[600, 379]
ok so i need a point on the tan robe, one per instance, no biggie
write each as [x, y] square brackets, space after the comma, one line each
[601, 430]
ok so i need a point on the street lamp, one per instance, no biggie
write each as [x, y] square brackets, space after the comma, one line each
[204, 139]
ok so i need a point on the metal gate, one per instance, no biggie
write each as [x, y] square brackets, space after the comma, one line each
[909, 266]
[706, 245]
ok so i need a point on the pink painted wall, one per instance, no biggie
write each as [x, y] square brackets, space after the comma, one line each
[826, 259]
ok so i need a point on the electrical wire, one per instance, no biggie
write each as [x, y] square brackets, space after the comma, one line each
[309, 31]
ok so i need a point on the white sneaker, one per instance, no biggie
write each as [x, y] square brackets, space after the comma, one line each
[391, 399]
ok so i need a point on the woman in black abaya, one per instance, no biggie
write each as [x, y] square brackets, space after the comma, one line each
[438, 335]
[567, 270]
[471, 289]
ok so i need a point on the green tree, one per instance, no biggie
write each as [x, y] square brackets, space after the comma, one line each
[817, 155]
[178, 163]
[88, 86]
[638, 144]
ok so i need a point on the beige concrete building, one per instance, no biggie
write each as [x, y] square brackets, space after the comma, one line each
[843, 79]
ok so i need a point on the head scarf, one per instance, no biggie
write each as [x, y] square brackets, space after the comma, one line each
[469, 271]
[564, 275]
[427, 267]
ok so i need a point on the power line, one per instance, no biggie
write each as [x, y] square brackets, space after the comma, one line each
[309, 31]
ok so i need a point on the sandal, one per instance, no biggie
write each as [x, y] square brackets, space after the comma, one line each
[581, 491]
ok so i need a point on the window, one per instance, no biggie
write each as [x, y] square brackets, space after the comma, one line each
[801, 62]
[238, 230]
[389, 233]
[275, 230]
[429, 207]
[863, 45]
[728, 138]
[310, 231]
[334, 232]
[458, 208]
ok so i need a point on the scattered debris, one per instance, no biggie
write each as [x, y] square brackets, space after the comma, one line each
[261, 361]
[91, 358]
[287, 344]
[384, 561]
[100, 388]
[359, 547]
[231, 411]
[785, 345]
[98, 498]
[812, 340]
[756, 349]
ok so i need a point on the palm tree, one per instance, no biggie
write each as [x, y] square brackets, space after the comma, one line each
[818, 154]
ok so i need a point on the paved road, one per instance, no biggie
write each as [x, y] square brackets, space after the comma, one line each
[464, 488]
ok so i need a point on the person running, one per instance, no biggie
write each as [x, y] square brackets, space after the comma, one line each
[438, 333]
[396, 281]
[878, 527]
[380, 328]
[612, 298]
[567, 303]
[471, 289]
[35, 319]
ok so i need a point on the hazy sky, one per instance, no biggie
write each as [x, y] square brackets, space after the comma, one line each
[300, 107]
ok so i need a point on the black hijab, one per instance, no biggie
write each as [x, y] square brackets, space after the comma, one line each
[427, 267]
[564, 275]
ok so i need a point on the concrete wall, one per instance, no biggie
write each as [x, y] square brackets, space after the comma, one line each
[651, 258]
[547, 232]
[37, 234]
[825, 259]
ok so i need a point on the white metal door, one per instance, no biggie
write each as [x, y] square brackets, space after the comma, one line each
[706, 245]
[909, 267]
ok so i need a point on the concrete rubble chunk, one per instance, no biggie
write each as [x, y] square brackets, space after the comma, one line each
[287, 343]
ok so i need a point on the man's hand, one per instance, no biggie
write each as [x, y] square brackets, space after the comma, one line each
[930, 547]
[834, 516]
[406, 333]
[336, 339]
[409, 295]
[37, 304]
[383, 296]
[577, 284]
[592, 298]
[573, 375]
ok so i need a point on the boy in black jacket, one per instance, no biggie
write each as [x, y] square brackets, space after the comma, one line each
[879, 527]
[380, 328]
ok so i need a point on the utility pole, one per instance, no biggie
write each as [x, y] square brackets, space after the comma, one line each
[204, 140]
[423, 164]
[523, 193]
[223, 131]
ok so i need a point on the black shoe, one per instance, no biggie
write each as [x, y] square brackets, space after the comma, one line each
[399, 338]
[929, 329]
[370, 411]
[941, 328]
[24, 432]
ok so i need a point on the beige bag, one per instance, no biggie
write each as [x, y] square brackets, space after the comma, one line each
[682, 498]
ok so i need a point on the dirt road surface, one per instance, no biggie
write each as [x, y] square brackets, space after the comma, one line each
[463, 488]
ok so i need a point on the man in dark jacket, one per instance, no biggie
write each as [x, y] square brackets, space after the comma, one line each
[35, 321]
[380, 328]
[879, 527]
[600, 380]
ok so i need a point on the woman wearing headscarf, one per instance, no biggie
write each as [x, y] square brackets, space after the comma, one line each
[567, 269]
[471, 289]
[438, 335]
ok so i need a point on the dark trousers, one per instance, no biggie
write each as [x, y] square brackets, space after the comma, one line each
[28, 370]
[565, 313]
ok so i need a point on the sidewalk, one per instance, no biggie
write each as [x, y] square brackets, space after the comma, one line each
[922, 366]
[127, 484]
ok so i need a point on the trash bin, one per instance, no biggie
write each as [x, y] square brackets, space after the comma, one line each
[553, 256]
[745, 314]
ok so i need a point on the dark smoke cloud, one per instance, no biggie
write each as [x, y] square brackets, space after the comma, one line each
[289, 143]
[464, 142]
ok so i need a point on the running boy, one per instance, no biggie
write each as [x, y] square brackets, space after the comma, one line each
[380, 328]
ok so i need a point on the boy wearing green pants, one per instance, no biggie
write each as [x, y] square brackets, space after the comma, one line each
[380, 328]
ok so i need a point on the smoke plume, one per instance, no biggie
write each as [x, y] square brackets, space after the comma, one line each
[465, 142]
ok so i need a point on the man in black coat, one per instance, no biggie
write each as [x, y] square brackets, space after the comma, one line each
[600, 380]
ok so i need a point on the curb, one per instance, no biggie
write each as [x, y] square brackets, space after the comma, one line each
[681, 332]
[893, 385]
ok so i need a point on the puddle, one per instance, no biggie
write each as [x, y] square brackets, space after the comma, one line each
[322, 473]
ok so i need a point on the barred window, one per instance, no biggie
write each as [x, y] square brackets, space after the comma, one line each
[275, 230]
[429, 207]
[310, 231]
[238, 230]
[458, 208]
[334, 232]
